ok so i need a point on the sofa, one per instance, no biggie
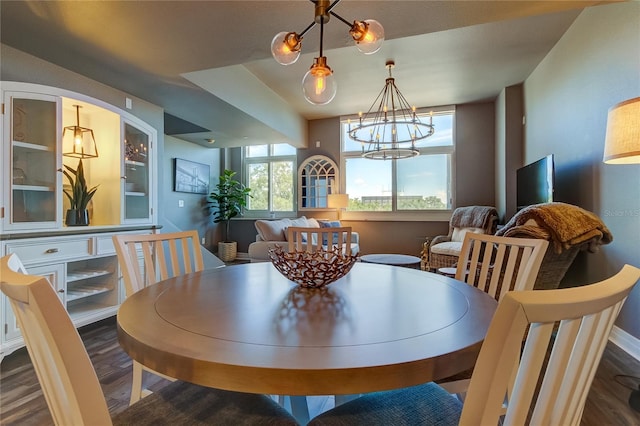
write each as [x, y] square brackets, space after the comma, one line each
[274, 232]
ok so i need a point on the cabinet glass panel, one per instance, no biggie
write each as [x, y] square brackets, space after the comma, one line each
[33, 153]
[136, 160]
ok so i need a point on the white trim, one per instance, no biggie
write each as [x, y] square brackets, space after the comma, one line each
[625, 341]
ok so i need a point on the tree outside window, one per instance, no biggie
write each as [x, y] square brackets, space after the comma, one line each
[270, 173]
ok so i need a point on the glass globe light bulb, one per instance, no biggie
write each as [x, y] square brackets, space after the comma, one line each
[368, 35]
[319, 85]
[285, 47]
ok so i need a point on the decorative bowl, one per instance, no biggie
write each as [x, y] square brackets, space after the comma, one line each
[312, 270]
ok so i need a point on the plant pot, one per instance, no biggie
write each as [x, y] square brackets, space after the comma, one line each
[77, 218]
[227, 251]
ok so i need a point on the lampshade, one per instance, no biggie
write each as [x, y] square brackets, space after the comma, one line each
[318, 84]
[81, 139]
[622, 141]
[338, 201]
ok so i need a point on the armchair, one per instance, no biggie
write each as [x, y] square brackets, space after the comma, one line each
[442, 251]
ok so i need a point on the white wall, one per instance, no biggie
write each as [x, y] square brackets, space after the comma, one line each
[595, 65]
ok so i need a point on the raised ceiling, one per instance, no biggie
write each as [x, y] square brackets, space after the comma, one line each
[208, 63]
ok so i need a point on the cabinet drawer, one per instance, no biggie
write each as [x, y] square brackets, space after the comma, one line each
[47, 251]
[104, 245]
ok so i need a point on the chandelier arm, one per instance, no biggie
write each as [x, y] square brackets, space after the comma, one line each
[331, 6]
[306, 30]
[349, 24]
[321, 37]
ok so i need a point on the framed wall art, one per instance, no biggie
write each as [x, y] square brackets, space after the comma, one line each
[190, 176]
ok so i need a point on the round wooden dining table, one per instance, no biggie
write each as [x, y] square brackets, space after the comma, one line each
[248, 328]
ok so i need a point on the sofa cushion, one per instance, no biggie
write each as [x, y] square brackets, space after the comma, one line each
[273, 230]
[458, 233]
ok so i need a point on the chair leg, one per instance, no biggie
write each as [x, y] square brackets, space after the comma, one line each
[136, 383]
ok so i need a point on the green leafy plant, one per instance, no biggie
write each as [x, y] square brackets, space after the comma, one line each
[79, 195]
[228, 200]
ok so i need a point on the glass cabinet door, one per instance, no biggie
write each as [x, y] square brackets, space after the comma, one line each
[137, 155]
[33, 173]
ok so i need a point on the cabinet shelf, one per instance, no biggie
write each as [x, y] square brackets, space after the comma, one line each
[135, 194]
[34, 146]
[86, 274]
[85, 290]
[134, 163]
[38, 188]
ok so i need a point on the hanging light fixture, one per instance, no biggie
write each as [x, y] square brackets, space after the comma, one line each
[391, 127]
[319, 85]
[83, 142]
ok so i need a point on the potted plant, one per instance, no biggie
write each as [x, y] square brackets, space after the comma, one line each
[227, 201]
[79, 196]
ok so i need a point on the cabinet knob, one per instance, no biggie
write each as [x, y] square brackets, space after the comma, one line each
[51, 250]
[123, 177]
[61, 290]
[60, 170]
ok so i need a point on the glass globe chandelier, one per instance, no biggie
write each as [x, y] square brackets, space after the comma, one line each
[391, 127]
[319, 85]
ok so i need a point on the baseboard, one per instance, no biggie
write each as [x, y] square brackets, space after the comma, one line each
[625, 341]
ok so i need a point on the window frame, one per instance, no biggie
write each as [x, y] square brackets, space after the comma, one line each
[404, 215]
[269, 159]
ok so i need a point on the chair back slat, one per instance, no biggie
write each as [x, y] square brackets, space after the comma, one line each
[497, 265]
[66, 375]
[314, 239]
[565, 332]
[147, 259]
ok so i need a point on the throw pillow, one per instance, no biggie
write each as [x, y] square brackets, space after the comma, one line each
[272, 230]
[329, 224]
[299, 222]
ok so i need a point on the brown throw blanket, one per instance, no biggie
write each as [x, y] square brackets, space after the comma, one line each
[564, 225]
[484, 217]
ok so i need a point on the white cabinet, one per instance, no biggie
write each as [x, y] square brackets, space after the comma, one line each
[35, 152]
[83, 269]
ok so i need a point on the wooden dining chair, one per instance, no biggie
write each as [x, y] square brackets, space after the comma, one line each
[147, 259]
[313, 239]
[70, 384]
[564, 333]
[495, 265]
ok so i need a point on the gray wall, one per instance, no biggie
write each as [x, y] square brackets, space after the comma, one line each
[595, 65]
[508, 154]
[194, 214]
[474, 162]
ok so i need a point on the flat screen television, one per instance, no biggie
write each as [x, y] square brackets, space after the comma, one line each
[535, 182]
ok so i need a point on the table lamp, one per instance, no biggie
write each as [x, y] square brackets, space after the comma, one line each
[339, 202]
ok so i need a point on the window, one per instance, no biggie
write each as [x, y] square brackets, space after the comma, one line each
[270, 172]
[401, 188]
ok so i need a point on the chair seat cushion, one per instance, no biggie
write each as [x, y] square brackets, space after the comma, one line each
[181, 403]
[449, 248]
[426, 404]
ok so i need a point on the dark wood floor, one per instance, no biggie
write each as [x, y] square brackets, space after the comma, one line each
[22, 403]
